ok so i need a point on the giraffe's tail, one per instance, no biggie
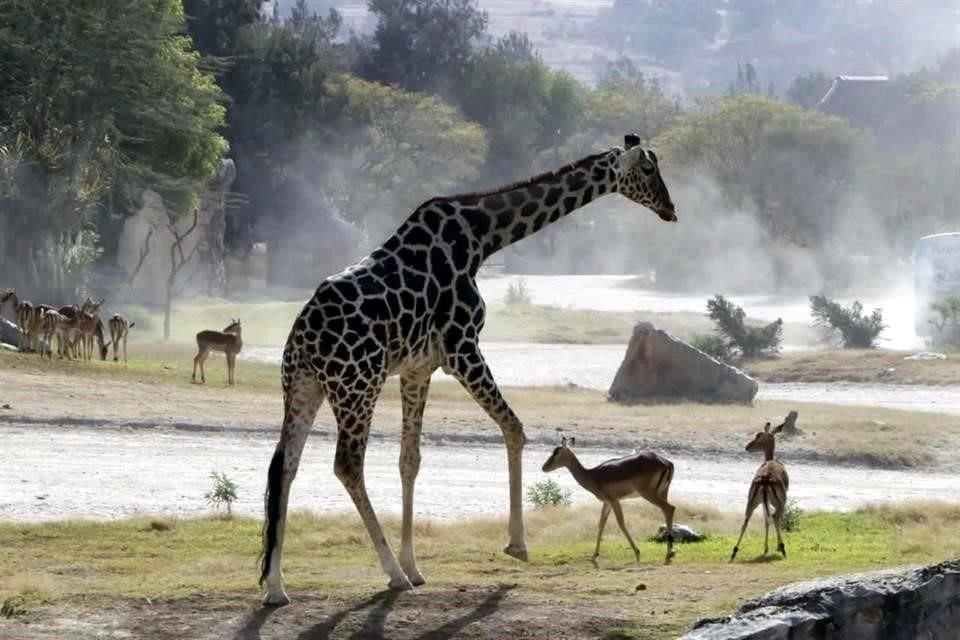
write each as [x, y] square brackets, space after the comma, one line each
[271, 507]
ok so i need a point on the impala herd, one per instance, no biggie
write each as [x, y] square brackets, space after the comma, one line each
[78, 330]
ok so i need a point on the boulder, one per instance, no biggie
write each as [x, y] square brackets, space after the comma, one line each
[660, 366]
[883, 605]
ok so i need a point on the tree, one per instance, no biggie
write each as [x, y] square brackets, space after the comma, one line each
[808, 89]
[98, 102]
[421, 44]
[856, 330]
[795, 167]
[749, 342]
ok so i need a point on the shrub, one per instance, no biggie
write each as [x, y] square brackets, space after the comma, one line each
[857, 331]
[946, 326]
[791, 516]
[547, 493]
[714, 346]
[748, 342]
[517, 292]
[224, 491]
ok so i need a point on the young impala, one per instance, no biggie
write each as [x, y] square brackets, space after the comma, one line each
[228, 341]
[119, 330]
[769, 488]
[646, 475]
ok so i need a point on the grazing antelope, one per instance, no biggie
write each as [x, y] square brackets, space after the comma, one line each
[769, 488]
[119, 329]
[229, 341]
[645, 474]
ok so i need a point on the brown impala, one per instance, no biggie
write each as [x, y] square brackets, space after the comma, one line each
[769, 488]
[646, 475]
[228, 341]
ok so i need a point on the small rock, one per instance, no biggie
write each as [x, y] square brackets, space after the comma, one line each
[681, 533]
[926, 355]
[6, 406]
[641, 587]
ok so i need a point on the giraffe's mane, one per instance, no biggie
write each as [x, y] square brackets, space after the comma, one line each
[477, 195]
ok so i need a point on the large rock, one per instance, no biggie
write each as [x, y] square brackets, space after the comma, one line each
[659, 366]
[884, 605]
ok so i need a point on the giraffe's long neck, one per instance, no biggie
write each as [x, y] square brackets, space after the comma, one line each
[509, 215]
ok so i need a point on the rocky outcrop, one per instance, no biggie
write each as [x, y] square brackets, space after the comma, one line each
[143, 248]
[884, 605]
[659, 366]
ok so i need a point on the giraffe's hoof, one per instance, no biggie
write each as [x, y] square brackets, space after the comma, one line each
[401, 583]
[517, 551]
[417, 579]
[278, 599]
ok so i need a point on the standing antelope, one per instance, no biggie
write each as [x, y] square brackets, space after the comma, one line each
[53, 323]
[769, 487]
[229, 341]
[23, 313]
[119, 329]
[645, 474]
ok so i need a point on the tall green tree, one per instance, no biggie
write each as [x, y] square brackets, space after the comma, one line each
[99, 101]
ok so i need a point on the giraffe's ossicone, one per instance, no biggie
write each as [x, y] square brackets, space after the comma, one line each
[413, 306]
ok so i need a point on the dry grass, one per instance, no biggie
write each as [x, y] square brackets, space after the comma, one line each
[330, 554]
[873, 365]
[157, 384]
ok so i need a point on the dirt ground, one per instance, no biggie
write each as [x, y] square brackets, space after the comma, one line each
[498, 611]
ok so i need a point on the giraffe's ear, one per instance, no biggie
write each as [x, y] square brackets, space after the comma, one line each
[563, 441]
[652, 156]
[572, 442]
[778, 428]
[630, 140]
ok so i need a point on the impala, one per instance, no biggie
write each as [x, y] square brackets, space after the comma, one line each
[645, 474]
[228, 341]
[119, 330]
[769, 488]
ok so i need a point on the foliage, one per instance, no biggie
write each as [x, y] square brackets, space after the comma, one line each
[224, 491]
[99, 101]
[420, 44]
[857, 331]
[808, 89]
[791, 516]
[746, 341]
[790, 164]
[517, 293]
[714, 346]
[547, 493]
[946, 324]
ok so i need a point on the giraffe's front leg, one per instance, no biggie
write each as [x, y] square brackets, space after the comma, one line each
[413, 391]
[471, 370]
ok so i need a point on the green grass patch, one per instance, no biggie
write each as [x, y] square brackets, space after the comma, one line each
[331, 554]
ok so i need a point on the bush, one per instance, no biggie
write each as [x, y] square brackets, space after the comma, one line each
[791, 516]
[946, 326]
[224, 491]
[856, 330]
[714, 346]
[517, 292]
[548, 493]
[749, 342]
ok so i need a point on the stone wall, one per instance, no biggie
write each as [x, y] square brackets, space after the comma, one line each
[903, 604]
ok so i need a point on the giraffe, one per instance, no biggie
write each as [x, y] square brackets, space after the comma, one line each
[408, 308]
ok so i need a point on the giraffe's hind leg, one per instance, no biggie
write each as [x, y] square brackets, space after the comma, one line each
[413, 391]
[471, 370]
[302, 399]
[353, 409]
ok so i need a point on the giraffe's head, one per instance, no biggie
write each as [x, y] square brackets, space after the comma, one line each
[639, 179]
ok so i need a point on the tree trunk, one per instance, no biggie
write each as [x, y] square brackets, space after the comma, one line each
[167, 306]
